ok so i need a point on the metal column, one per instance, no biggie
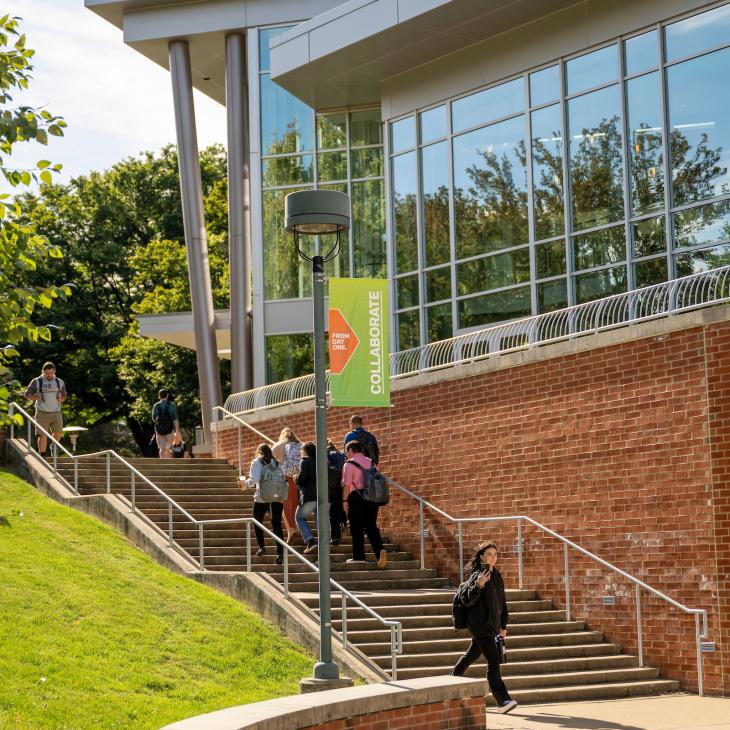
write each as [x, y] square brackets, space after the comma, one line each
[196, 242]
[239, 206]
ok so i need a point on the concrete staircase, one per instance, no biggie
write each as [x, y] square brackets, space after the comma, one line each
[549, 658]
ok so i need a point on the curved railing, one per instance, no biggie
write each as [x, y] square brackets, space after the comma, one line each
[395, 627]
[705, 289]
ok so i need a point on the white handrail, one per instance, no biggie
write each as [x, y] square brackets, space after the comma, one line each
[707, 288]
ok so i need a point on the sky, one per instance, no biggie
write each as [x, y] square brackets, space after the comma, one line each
[116, 102]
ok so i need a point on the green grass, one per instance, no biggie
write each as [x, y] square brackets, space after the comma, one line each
[94, 634]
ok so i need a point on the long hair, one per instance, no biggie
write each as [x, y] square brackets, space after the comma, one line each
[264, 451]
[287, 434]
[476, 560]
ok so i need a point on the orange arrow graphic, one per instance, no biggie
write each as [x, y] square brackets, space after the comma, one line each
[342, 340]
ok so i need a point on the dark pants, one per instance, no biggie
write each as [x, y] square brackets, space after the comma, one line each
[338, 518]
[484, 645]
[363, 518]
[259, 511]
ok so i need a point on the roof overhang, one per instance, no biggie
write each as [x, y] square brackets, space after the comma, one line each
[341, 57]
[177, 329]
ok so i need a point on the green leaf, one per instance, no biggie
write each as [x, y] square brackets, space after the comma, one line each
[41, 136]
[43, 164]
[46, 177]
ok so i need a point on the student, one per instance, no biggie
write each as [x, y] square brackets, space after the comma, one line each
[288, 452]
[307, 487]
[167, 425]
[367, 440]
[48, 392]
[363, 515]
[265, 460]
[485, 598]
[338, 518]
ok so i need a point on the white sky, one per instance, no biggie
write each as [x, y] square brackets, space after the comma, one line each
[117, 102]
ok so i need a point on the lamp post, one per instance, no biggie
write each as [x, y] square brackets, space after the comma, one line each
[315, 213]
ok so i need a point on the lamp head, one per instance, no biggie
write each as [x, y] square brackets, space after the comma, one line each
[312, 212]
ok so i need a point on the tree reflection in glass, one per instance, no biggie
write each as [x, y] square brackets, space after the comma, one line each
[404, 209]
[435, 183]
[368, 225]
[547, 172]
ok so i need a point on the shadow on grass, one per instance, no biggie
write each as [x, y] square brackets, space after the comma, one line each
[4, 521]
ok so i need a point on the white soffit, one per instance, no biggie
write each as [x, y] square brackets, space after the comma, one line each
[340, 58]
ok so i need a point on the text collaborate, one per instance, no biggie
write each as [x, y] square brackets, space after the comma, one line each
[375, 311]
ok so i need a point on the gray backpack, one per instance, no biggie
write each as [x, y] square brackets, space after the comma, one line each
[273, 486]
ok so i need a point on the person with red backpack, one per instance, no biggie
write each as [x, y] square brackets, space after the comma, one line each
[366, 439]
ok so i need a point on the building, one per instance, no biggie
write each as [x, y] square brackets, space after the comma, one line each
[503, 158]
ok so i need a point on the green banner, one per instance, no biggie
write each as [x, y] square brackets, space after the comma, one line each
[358, 342]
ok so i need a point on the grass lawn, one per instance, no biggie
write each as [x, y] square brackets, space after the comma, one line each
[94, 634]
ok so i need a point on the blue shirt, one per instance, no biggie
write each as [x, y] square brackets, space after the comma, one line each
[355, 436]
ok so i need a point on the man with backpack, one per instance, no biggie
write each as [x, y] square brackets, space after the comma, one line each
[367, 440]
[48, 392]
[167, 426]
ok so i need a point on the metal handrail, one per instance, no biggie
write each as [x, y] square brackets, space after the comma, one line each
[396, 628]
[519, 519]
[239, 422]
[707, 288]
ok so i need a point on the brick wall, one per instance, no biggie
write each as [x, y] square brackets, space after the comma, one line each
[462, 714]
[624, 449]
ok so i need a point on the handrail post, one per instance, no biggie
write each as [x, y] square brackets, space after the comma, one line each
[700, 678]
[11, 413]
[76, 474]
[519, 553]
[461, 553]
[54, 454]
[213, 421]
[133, 486]
[286, 575]
[201, 548]
[29, 436]
[393, 653]
[240, 456]
[108, 472]
[248, 546]
[344, 619]
[567, 581]
[639, 632]
[422, 537]
[169, 521]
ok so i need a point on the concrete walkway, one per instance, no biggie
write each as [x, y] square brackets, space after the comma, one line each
[670, 712]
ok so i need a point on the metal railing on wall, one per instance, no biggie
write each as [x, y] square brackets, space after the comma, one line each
[705, 289]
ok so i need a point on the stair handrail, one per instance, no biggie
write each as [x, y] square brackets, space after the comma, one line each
[396, 628]
[519, 519]
[239, 422]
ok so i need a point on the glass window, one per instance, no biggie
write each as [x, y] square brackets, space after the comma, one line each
[493, 272]
[600, 284]
[287, 124]
[552, 295]
[650, 236]
[699, 117]
[595, 158]
[367, 162]
[409, 330]
[435, 182]
[403, 134]
[407, 291]
[433, 124]
[652, 271]
[642, 52]
[702, 225]
[697, 261]
[606, 246]
[698, 33]
[340, 264]
[490, 195]
[264, 37]
[439, 322]
[287, 170]
[499, 101]
[592, 69]
[404, 212]
[643, 99]
[550, 259]
[438, 284]
[366, 128]
[368, 218]
[288, 356]
[331, 131]
[332, 166]
[545, 85]
[547, 172]
[495, 307]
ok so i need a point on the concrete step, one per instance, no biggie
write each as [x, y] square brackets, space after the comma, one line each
[409, 598]
[596, 676]
[434, 610]
[575, 693]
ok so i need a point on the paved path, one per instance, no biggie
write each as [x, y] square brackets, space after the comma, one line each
[671, 712]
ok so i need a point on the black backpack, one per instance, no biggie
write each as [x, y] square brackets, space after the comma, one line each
[163, 422]
[459, 612]
[369, 446]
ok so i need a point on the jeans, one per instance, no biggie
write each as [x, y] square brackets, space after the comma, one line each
[363, 521]
[302, 517]
[277, 510]
[484, 645]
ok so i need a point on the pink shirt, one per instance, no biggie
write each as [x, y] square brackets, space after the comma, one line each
[352, 477]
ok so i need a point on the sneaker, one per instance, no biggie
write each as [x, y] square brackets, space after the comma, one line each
[383, 559]
[352, 560]
[311, 546]
[260, 552]
[279, 559]
[508, 706]
[335, 541]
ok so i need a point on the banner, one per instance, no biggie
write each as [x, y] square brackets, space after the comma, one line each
[358, 342]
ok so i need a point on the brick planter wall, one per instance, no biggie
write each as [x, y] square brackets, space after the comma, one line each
[624, 449]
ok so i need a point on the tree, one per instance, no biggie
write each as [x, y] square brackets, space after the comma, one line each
[22, 248]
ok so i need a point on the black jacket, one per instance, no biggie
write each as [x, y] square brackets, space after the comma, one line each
[487, 606]
[307, 479]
